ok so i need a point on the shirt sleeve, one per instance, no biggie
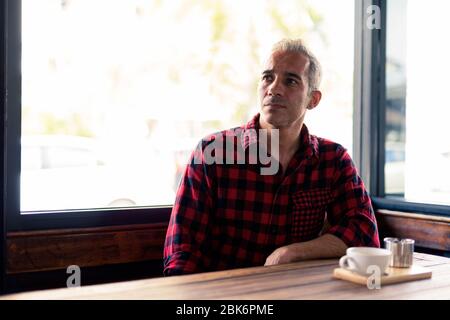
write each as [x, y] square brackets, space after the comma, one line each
[350, 213]
[187, 233]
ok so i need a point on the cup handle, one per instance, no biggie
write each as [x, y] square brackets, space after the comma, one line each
[343, 263]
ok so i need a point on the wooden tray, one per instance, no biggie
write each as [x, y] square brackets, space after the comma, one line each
[393, 275]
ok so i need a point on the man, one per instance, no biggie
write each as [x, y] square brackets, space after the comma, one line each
[229, 215]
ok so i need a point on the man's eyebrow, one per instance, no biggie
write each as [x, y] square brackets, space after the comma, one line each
[294, 75]
[288, 74]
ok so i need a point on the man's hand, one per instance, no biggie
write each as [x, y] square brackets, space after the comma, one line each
[279, 256]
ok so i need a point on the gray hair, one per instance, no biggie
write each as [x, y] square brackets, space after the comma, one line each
[314, 69]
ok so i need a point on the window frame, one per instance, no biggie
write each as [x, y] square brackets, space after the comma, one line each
[2, 135]
[370, 109]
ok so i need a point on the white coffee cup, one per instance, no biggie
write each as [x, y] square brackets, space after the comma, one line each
[362, 260]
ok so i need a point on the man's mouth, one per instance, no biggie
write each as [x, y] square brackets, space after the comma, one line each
[275, 105]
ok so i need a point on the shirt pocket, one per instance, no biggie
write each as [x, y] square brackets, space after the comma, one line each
[308, 213]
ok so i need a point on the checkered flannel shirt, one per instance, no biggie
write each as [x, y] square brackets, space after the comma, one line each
[230, 215]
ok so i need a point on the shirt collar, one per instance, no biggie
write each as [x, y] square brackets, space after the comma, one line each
[250, 132]
[309, 143]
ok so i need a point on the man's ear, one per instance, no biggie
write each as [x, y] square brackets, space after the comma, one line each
[314, 100]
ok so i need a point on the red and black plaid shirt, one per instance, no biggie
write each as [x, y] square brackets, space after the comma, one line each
[230, 215]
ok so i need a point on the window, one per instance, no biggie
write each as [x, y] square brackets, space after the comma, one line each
[417, 109]
[115, 94]
[402, 145]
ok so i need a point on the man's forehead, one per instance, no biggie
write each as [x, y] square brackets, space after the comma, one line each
[288, 61]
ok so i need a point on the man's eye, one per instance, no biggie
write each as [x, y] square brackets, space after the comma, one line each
[266, 77]
[291, 82]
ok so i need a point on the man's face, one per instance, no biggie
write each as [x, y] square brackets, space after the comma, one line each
[283, 89]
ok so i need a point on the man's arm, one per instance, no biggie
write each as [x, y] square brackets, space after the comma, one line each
[350, 214]
[185, 248]
[326, 246]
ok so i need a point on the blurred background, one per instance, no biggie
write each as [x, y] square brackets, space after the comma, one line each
[116, 94]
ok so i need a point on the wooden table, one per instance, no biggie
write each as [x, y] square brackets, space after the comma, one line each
[301, 280]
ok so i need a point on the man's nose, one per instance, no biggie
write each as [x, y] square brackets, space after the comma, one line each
[275, 88]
